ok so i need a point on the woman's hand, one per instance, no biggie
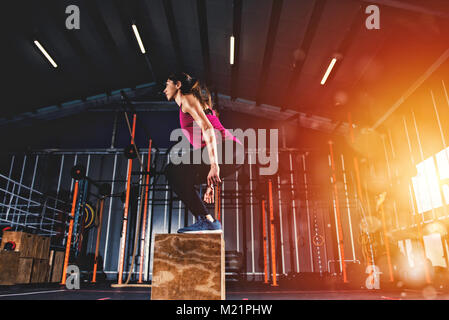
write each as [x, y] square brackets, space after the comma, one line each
[213, 178]
[209, 195]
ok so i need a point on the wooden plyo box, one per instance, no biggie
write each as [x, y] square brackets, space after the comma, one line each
[9, 261]
[56, 265]
[42, 250]
[188, 267]
[24, 270]
[25, 243]
[40, 271]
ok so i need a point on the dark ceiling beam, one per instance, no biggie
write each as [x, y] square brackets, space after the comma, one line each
[94, 12]
[126, 21]
[312, 27]
[353, 29]
[171, 22]
[202, 24]
[236, 32]
[56, 11]
[276, 9]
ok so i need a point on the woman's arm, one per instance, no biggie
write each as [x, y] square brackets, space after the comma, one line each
[193, 107]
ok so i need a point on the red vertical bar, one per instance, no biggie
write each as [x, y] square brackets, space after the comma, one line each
[265, 253]
[125, 213]
[337, 208]
[145, 210]
[97, 246]
[273, 249]
[69, 236]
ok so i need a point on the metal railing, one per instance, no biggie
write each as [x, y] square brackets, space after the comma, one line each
[27, 209]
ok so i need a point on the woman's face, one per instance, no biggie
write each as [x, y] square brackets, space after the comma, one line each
[171, 89]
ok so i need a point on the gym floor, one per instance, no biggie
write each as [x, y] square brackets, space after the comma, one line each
[233, 292]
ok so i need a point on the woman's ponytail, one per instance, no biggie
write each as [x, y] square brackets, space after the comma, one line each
[193, 86]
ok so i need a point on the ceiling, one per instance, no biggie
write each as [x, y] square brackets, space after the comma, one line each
[283, 48]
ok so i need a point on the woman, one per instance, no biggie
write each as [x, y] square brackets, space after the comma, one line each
[195, 109]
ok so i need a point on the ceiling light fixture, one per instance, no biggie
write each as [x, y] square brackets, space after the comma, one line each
[232, 49]
[45, 53]
[136, 33]
[329, 69]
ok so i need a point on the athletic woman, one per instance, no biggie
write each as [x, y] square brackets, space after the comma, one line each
[195, 109]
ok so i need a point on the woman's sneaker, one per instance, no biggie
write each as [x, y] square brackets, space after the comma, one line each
[202, 226]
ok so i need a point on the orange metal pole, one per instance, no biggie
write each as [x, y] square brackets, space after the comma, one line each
[273, 249]
[265, 253]
[125, 213]
[337, 207]
[97, 246]
[69, 236]
[145, 210]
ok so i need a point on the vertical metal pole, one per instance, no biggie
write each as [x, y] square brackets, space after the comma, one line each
[105, 255]
[337, 208]
[237, 209]
[97, 246]
[125, 213]
[272, 242]
[294, 215]
[280, 224]
[69, 235]
[348, 207]
[114, 130]
[306, 187]
[145, 210]
[265, 249]
[252, 217]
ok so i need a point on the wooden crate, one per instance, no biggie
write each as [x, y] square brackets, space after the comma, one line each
[188, 267]
[9, 262]
[24, 270]
[55, 274]
[25, 242]
[40, 271]
[42, 250]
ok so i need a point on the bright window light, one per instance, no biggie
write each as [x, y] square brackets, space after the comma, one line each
[426, 186]
[232, 50]
[136, 33]
[329, 70]
[45, 53]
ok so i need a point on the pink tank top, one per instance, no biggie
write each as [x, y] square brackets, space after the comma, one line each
[187, 124]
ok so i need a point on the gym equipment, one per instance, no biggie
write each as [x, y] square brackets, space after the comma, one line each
[337, 208]
[69, 236]
[9, 246]
[97, 246]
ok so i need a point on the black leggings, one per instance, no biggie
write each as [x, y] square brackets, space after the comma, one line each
[183, 177]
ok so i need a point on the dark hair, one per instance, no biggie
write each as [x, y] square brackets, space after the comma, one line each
[190, 85]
